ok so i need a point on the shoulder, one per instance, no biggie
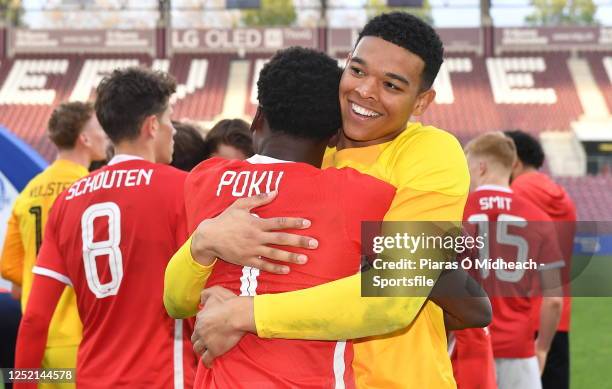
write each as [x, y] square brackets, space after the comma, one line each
[169, 173]
[353, 177]
[211, 168]
[25, 196]
[530, 211]
[359, 185]
[429, 159]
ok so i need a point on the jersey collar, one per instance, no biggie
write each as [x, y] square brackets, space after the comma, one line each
[122, 158]
[263, 159]
[498, 188]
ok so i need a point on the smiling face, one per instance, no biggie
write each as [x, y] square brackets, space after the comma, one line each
[380, 90]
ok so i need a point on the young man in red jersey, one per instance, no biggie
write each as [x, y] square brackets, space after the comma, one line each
[109, 236]
[523, 235]
[551, 198]
[291, 130]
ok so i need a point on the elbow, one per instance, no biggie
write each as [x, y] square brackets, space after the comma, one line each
[9, 275]
[173, 310]
[400, 312]
[481, 315]
[485, 313]
[554, 304]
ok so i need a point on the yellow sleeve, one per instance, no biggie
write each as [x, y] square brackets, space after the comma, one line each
[11, 262]
[336, 310]
[183, 282]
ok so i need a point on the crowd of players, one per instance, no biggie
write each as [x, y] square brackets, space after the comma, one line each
[262, 246]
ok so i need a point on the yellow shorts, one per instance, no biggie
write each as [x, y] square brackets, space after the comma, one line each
[59, 358]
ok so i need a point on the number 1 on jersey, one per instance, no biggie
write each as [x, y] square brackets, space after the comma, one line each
[92, 250]
[37, 212]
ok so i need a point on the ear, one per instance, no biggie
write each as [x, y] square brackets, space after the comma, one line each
[423, 101]
[84, 139]
[482, 167]
[258, 120]
[149, 126]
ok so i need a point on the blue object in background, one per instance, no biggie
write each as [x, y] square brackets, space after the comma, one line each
[19, 162]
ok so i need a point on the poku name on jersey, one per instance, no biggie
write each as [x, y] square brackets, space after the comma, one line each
[249, 183]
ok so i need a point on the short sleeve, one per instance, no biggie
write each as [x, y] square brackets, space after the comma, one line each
[50, 262]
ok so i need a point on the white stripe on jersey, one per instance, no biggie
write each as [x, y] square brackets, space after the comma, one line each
[178, 354]
[339, 366]
[248, 281]
[42, 271]
[452, 342]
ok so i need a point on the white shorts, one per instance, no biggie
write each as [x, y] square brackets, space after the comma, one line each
[515, 373]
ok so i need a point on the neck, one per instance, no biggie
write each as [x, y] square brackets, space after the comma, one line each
[129, 148]
[344, 142]
[495, 180]
[529, 169]
[77, 156]
[281, 146]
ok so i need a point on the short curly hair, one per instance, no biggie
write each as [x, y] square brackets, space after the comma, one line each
[126, 97]
[66, 123]
[528, 149]
[413, 34]
[298, 93]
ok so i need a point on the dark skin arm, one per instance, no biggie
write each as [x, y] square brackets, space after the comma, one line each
[464, 302]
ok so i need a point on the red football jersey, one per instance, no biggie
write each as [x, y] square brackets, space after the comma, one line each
[510, 237]
[558, 205]
[110, 236]
[472, 357]
[336, 201]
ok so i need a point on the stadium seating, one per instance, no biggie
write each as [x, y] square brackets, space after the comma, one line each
[601, 67]
[530, 91]
[534, 93]
[591, 194]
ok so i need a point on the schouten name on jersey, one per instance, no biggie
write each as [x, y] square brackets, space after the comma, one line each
[249, 183]
[108, 179]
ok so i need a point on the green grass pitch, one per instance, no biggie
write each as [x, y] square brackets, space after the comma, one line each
[591, 328]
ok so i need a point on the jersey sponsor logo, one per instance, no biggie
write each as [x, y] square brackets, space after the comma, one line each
[249, 183]
[110, 179]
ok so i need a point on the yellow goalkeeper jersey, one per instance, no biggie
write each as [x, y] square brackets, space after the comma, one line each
[23, 239]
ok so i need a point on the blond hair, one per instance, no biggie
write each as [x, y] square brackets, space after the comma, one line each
[495, 146]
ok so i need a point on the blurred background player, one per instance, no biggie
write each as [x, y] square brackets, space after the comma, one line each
[189, 146]
[230, 139]
[496, 210]
[110, 236]
[535, 186]
[80, 140]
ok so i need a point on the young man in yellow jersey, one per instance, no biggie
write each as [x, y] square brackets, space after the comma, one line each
[74, 129]
[387, 80]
